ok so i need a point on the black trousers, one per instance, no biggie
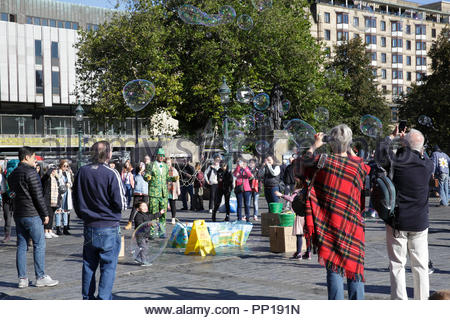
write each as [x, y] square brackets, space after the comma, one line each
[213, 196]
[173, 207]
[198, 199]
[222, 193]
[49, 225]
[7, 213]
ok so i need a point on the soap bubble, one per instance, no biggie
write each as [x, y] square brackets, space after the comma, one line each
[300, 130]
[233, 124]
[321, 114]
[235, 141]
[262, 147]
[311, 87]
[227, 13]
[138, 93]
[244, 94]
[212, 20]
[285, 106]
[259, 116]
[261, 101]
[261, 5]
[191, 14]
[370, 126]
[286, 123]
[245, 22]
[148, 242]
[248, 122]
[425, 121]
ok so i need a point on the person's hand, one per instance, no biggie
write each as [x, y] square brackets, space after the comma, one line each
[278, 193]
[318, 137]
[46, 220]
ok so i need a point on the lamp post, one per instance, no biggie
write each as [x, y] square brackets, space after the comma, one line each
[224, 92]
[79, 114]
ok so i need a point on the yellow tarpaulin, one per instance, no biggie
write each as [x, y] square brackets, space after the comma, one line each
[199, 240]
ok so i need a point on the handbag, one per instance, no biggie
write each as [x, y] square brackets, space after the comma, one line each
[299, 201]
[62, 189]
[239, 188]
[255, 185]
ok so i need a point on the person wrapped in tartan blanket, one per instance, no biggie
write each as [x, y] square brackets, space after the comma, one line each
[333, 211]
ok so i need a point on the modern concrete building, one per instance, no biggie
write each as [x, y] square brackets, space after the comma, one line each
[397, 35]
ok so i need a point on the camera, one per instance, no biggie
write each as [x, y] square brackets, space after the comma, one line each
[326, 138]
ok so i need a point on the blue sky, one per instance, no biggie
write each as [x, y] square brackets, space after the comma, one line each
[111, 3]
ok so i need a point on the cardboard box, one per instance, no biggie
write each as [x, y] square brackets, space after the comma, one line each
[282, 240]
[267, 220]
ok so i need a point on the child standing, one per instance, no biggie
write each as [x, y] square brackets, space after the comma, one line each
[142, 216]
[299, 222]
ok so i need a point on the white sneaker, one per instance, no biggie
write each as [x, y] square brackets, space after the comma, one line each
[210, 211]
[173, 220]
[255, 218]
[46, 281]
[23, 283]
[54, 235]
[48, 235]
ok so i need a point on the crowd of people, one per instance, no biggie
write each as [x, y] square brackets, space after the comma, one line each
[326, 192]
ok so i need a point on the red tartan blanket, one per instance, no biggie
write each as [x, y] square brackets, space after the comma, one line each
[333, 214]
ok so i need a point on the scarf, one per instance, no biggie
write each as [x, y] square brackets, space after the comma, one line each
[54, 194]
[333, 215]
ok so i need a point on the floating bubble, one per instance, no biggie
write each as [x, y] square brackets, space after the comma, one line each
[235, 140]
[286, 123]
[262, 147]
[321, 114]
[191, 14]
[233, 124]
[244, 94]
[227, 13]
[300, 130]
[311, 87]
[138, 93]
[259, 116]
[245, 22]
[261, 101]
[261, 5]
[370, 126]
[148, 242]
[212, 20]
[425, 121]
[248, 122]
[285, 106]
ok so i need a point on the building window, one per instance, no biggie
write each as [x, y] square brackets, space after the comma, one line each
[68, 25]
[373, 56]
[383, 41]
[397, 43]
[29, 20]
[397, 58]
[421, 29]
[383, 25]
[60, 24]
[327, 52]
[408, 89]
[421, 61]
[421, 45]
[383, 74]
[433, 33]
[53, 23]
[355, 21]
[44, 22]
[370, 22]
[384, 89]
[342, 35]
[55, 82]
[38, 51]
[75, 26]
[408, 44]
[327, 34]
[394, 114]
[420, 76]
[342, 18]
[408, 76]
[396, 26]
[371, 39]
[408, 29]
[408, 60]
[397, 74]
[383, 57]
[12, 18]
[55, 53]
[374, 73]
[39, 82]
[397, 90]
[327, 17]
[37, 21]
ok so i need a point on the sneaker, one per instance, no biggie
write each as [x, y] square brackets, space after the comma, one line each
[255, 218]
[7, 239]
[210, 211]
[54, 235]
[46, 281]
[23, 283]
[173, 221]
[307, 255]
[297, 256]
[48, 235]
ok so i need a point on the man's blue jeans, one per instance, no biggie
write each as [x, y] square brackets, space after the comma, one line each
[335, 285]
[443, 188]
[246, 196]
[101, 246]
[26, 228]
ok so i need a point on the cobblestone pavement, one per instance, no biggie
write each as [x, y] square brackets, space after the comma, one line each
[248, 273]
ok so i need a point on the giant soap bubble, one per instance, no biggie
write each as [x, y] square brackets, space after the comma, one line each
[248, 122]
[245, 22]
[191, 14]
[285, 106]
[138, 93]
[259, 116]
[370, 126]
[300, 130]
[244, 94]
[321, 114]
[227, 13]
[262, 147]
[261, 5]
[261, 101]
[148, 242]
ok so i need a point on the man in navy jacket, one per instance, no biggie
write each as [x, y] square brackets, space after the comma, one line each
[99, 198]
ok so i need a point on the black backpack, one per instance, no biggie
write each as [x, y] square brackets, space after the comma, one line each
[383, 194]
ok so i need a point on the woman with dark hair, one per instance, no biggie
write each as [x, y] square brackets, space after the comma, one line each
[52, 197]
[65, 189]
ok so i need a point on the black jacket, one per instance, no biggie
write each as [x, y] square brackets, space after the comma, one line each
[225, 180]
[288, 177]
[29, 199]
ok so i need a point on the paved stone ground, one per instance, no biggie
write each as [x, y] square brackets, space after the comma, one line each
[248, 273]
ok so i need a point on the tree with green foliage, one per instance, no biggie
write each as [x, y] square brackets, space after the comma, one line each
[432, 97]
[186, 62]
